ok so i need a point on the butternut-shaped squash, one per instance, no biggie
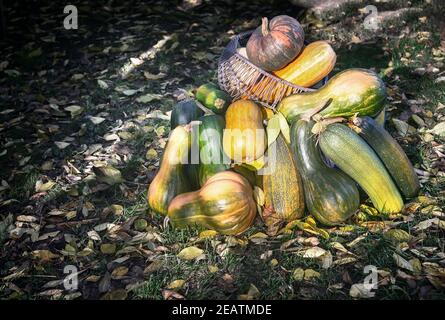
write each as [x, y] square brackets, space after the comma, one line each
[350, 92]
[313, 64]
[224, 203]
[244, 138]
[171, 178]
[331, 196]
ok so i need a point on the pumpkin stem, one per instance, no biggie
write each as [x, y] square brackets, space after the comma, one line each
[265, 26]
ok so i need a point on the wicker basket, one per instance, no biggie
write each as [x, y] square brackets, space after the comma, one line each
[241, 78]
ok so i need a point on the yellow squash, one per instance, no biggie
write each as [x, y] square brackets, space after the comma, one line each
[244, 138]
[311, 65]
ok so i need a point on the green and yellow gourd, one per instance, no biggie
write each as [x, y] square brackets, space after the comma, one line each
[356, 158]
[213, 98]
[331, 196]
[391, 154]
[224, 203]
[350, 92]
[313, 64]
[171, 178]
[212, 156]
[283, 188]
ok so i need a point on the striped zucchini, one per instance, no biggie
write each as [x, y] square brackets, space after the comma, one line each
[391, 154]
[356, 158]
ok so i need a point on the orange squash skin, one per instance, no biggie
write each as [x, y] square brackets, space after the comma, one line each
[244, 137]
[224, 203]
[171, 178]
[314, 63]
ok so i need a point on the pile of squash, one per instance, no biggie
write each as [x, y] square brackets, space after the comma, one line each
[331, 144]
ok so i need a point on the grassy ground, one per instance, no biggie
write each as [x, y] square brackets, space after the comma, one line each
[74, 178]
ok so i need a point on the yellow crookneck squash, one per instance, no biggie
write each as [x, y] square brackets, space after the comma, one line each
[224, 203]
[171, 178]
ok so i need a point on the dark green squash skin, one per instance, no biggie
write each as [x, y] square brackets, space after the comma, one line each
[184, 112]
[212, 156]
[213, 98]
[331, 196]
[391, 154]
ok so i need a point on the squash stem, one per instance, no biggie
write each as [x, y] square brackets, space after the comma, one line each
[309, 114]
[265, 26]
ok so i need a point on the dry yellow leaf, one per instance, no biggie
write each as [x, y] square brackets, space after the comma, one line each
[190, 253]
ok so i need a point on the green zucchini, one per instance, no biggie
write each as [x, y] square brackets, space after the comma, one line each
[213, 98]
[184, 112]
[212, 156]
[356, 158]
[331, 195]
[391, 154]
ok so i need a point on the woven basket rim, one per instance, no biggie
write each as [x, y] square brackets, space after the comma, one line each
[236, 40]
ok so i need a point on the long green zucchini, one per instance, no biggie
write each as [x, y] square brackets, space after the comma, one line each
[357, 159]
[212, 156]
[391, 154]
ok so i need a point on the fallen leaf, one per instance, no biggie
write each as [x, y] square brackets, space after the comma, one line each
[402, 263]
[397, 235]
[108, 248]
[119, 273]
[190, 253]
[74, 110]
[118, 294]
[108, 175]
[176, 284]
[207, 234]
[360, 291]
[61, 144]
[102, 84]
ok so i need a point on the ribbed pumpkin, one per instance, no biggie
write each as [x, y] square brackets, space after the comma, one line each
[283, 188]
[171, 178]
[312, 65]
[224, 203]
[273, 45]
[244, 138]
[350, 92]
